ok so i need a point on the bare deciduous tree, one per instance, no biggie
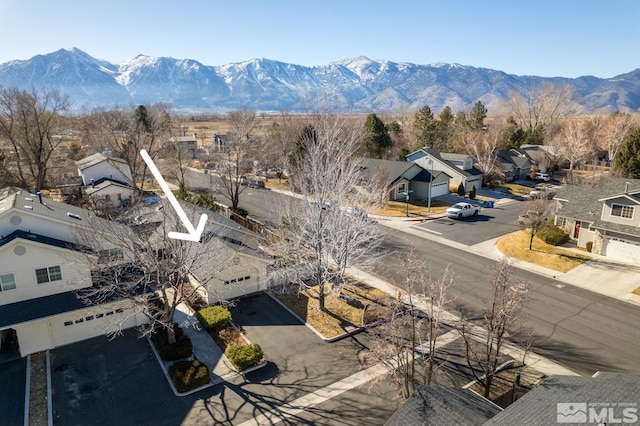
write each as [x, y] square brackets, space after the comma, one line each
[541, 108]
[537, 212]
[501, 314]
[125, 132]
[407, 329]
[241, 144]
[31, 122]
[576, 142]
[325, 229]
[139, 266]
[615, 131]
[483, 145]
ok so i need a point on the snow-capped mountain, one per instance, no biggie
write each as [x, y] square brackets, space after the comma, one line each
[349, 85]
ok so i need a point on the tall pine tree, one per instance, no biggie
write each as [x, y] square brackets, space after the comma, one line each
[376, 139]
[627, 161]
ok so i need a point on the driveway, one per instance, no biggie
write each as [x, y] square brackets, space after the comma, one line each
[113, 382]
[489, 224]
[12, 388]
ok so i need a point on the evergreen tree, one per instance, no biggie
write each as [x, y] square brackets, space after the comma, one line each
[626, 163]
[461, 190]
[444, 130]
[376, 138]
[472, 192]
[424, 129]
[477, 116]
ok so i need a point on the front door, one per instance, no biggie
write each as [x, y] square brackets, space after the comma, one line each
[576, 231]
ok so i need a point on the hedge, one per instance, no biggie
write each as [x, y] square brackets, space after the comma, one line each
[245, 356]
[553, 235]
[214, 317]
[189, 375]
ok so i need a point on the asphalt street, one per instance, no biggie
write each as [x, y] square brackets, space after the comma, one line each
[581, 330]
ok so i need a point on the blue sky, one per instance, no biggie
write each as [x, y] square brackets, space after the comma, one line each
[567, 38]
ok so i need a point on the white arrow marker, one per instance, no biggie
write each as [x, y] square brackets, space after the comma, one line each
[194, 234]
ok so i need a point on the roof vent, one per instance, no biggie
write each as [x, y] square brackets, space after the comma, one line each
[28, 207]
[626, 187]
[28, 199]
[73, 216]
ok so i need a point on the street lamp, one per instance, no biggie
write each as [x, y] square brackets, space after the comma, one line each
[406, 193]
[430, 180]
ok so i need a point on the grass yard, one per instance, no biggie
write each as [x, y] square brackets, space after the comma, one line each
[516, 245]
[517, 189]
[339, 315]
[399, 209]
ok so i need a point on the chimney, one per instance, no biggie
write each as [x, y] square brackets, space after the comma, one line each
[93, 184]
[40, 197]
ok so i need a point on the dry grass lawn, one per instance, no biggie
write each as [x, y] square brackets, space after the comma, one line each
[516, 245]
[399, 209]
[339, 314]
[516, 189]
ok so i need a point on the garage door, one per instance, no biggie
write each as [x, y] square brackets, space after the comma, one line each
[438, 189]
[87, 324]
[628, 251]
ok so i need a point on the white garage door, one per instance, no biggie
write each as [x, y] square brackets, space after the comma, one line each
[88, 324]
[625, 250]
[438, 189]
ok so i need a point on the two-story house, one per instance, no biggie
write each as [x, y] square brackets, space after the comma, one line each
[459, 166]
[607, 215]
[44, 263]
[107, 180]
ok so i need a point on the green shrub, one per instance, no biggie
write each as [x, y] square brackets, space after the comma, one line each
[245, 356]
[214, 317]
[461, 190]
[182, 348]
[472, 192]
[189, 375]
[589, 246]
[553, 235]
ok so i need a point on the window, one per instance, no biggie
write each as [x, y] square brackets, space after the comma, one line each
[45, 275]
[625, 212]
[7, 282]
[561, 222]
[402, 187]
[68, 323]
[110, 255]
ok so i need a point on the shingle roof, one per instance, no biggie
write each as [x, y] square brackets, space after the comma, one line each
[104, 183]
[94, 159]
[393, 169]
[540, 406]
[583, 202]
[440, 405]
[23, 200]
[42, 307]
[441, 157]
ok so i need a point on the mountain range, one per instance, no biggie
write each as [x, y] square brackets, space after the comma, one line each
[349, 85]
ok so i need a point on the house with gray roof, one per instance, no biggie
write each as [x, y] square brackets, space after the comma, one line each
[460, 167]
[45, 263]
[228, 263]
[404, 177]
[444, 406]
[606, 214]
[107, 180]
[604, 398]
[513, 164]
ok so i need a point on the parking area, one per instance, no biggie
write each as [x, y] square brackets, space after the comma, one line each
[12, 390]
[503, 219]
